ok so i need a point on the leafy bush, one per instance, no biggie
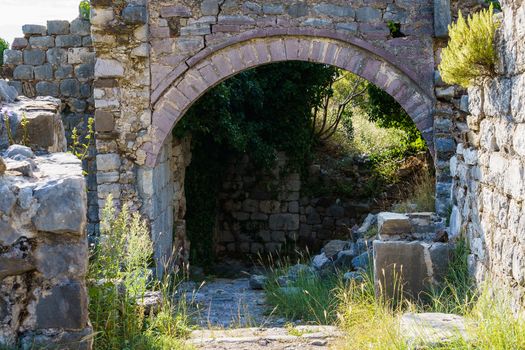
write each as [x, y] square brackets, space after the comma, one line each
[470, 53]
[85, 9]
[4, 45]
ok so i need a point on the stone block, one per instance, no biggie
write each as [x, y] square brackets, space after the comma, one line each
[14, 264]
[392, 224]
[7, 201]
[62, 207]
[23, 72]
[47, 88]
[13, 57]
[80, 26]
[416, 266]
[85, 71]
[34, 29]
[19, 43]
[134, 14]
[104, 121]
[332, 248]
[107, 68]
[334, 10]
[87, 41]
[437, 329]
[368, 15]
[68, 40]
[64, 71]
[86, 90]
[61, 260]
[57, 56]
[299, 9]
[442, 18]
[57, 27]
[108, 162]
[34, 57]
[7, 92]
[273, 9]
[210, 7]
[361, 262]
[70, 87]
[44, 72]
[74, 55]
[62, 307]
[101, 17]
[41, 42]
[175, 11]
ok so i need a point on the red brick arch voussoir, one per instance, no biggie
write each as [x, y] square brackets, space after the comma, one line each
[189, 81]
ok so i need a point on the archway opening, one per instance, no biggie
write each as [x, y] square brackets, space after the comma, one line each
[279, 160]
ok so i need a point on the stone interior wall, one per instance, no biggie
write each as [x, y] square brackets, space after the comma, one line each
[58, 60]
[43, 242]
[158, 185]
[489, 165]
[269, 211]
[181, 159]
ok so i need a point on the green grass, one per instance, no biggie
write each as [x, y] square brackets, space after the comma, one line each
[422, 197]
[372, 322]
[309, 298]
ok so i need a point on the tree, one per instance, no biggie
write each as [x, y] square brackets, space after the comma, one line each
[344, 91]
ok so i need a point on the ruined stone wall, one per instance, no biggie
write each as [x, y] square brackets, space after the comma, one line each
[55, 60]
[58, 60]
[489, 165]
[267, 211]
[258, 210]
[43, 241]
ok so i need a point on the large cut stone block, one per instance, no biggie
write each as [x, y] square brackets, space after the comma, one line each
[62, 206]
[45, 130]
[442, 18]
[64, 306]
[393, 224]
[408, 267]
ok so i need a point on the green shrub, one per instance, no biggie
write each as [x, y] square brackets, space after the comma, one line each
[4, 45]
[471, 53]
[119, 277]
[85, 9]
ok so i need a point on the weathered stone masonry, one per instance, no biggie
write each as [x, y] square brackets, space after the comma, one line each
[58, 60]
[489, 165]
[43, 243]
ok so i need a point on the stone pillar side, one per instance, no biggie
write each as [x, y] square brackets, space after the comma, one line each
[122, 98]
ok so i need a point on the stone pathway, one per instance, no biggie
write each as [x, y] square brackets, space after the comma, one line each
[299, 337]
[229, 303]
[234, 316]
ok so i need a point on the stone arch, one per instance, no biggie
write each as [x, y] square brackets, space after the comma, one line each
[194, 77]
